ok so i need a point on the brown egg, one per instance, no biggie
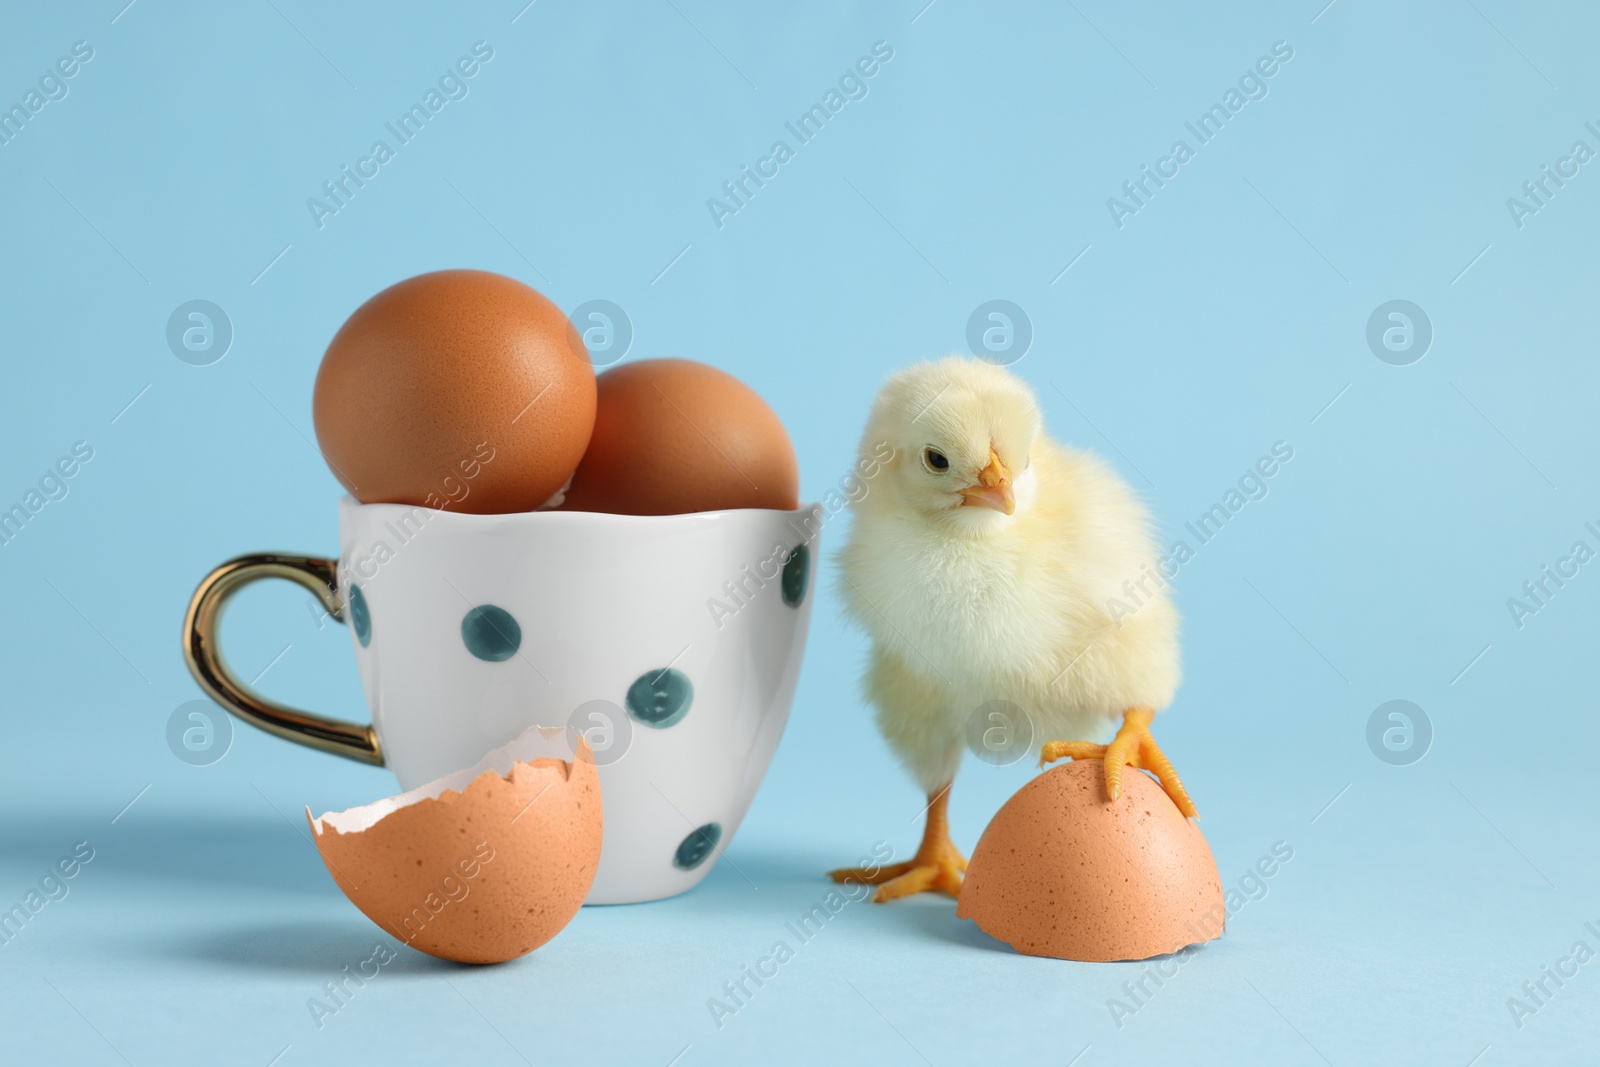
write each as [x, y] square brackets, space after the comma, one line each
[479, 866]
[1062, 871]
[673, 436]
[459, 389]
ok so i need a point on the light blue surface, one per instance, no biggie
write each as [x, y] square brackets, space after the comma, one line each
[1227, 314]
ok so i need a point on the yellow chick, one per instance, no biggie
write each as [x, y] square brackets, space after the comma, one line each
[987, 563]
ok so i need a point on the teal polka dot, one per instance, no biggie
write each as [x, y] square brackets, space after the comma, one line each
[660, 698]
[490, 633]
[795, 570]
[360, 617]
[697, 846]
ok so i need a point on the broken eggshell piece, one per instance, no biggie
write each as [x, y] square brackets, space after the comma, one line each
[482, 865]
[1065, 871]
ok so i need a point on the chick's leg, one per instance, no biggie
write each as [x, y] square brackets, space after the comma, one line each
[937, 866]
[1132, 747]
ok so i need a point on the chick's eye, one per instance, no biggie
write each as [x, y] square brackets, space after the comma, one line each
[936, 460]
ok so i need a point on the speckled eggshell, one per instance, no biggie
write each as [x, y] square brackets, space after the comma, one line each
[481, 873]
[673, 436]
[1062, 871]
[459, 389]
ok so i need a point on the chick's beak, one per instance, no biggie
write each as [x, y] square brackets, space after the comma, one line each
[992, 489]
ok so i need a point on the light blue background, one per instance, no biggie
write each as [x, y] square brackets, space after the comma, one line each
[1223, 317]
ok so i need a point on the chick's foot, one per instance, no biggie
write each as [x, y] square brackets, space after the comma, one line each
[937, 867]
[1132, 747]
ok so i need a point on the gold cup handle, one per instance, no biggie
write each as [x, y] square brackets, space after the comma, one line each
[203, 654]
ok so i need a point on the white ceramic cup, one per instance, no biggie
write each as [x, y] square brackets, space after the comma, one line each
[673, 642]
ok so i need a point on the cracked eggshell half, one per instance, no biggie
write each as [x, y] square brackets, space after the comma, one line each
[482, 865]
[1064, 871]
